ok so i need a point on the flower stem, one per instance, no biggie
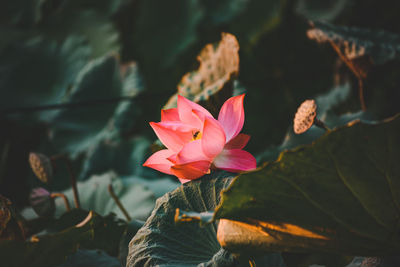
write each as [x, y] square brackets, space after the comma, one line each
[64, 197]
[119, 204]
[321, 124]
[71, 176]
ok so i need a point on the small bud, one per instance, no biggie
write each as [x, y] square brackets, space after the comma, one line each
[41, 166]
[305, 116]
[42, 202]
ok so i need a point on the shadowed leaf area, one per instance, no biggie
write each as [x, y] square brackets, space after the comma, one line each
[51, 249]
[340, 194]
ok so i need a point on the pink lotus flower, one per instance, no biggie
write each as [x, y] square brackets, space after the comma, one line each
[197, 143]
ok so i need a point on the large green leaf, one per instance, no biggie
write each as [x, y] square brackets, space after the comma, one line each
[339, 194]
[94, 195]
[95, 27]
[39, 71]
[162, 242]
[74, 129]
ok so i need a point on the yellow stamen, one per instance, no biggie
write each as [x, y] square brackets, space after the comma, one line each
[197, 135]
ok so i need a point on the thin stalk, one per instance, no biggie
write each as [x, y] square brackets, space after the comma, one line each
[119, 204]
[361, 93]
[321, 124]
[73, 182]
[64, 197]
[71, 176]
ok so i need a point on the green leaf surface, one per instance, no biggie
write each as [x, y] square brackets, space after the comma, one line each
[107, 155]
[343, 187]
[163, 242]
[88, 19]
[74, 129]
[94, 195]
[131, 230]
[40, 70]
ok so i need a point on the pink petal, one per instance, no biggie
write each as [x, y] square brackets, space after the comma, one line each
[238, 142]
[235, 160]
[173, 158]
[186, 115]
[173, 135]
[176, 126]
[183, 181]
[231, 116]
[169, 115]
[213, 137]
[190, 152]
[159, 162]
[192, 170]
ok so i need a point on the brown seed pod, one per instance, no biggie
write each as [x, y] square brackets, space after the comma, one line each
[305, 115]
[41, 166]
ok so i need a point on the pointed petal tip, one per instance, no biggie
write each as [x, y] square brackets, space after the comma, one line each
[235, 160]
[231, 116]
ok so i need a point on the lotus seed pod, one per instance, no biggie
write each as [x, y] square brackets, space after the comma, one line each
[305, 115]
[41, 166]
[42, 202]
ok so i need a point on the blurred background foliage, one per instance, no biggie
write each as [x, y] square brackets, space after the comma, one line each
[84, 78]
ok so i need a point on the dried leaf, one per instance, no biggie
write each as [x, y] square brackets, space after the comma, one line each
[218, 66]
[359, 48]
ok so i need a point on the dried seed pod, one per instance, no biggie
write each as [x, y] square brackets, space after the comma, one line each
[42, 202]
[305, 115]
[41, 166]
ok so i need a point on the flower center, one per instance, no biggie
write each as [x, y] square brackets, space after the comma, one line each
[197, 135]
